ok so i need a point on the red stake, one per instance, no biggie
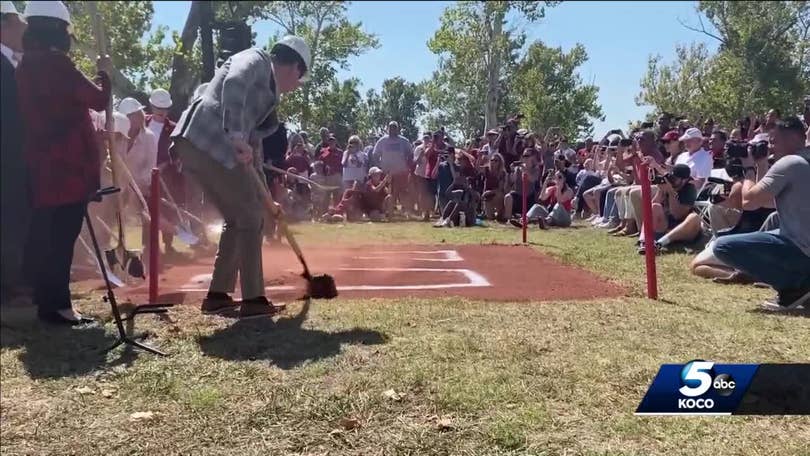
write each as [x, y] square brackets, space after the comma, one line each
[649, 240]
[525, 182]
[154, 232]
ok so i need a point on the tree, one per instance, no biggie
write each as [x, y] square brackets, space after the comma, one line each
[477, 48]
[762, 62]
[400, 101]
[341, 109]
[332, 39]
[551, 92]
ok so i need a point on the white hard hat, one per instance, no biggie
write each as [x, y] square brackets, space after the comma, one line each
[129, 105]
[121, 123]
[57, 10]
[301, 48]
[8, 8]
[161, 99]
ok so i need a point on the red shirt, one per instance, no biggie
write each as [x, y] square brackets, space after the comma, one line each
[493, 181]
[373, 200]
[61, 150]
[333, 159]
[299, 162]
[432, 161]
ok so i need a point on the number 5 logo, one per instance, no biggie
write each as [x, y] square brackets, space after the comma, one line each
[695, 378]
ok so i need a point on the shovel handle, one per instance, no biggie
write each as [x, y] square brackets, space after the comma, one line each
[282, 223]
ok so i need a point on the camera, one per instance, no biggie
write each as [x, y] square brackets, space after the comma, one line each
[659, 179]
[734, 168]
[758, 150]
[736, 149]
[626, 142]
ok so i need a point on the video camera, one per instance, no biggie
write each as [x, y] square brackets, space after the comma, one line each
[659, 179]
[736, 149]
[758, 150]
[716, 197]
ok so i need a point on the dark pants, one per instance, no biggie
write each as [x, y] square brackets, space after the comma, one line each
[53, 233]
[588, 183]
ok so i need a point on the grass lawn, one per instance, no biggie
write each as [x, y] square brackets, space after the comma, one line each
[410, 376]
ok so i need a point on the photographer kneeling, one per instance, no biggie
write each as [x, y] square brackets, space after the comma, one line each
[672, 204]
[780, 258]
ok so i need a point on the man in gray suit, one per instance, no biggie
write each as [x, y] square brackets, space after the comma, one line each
[218, 140]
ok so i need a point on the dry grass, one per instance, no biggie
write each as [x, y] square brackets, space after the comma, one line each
[467, 377]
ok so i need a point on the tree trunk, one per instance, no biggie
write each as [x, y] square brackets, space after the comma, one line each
[182, 82]
[493, 71]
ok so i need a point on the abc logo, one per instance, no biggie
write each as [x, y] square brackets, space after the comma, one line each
[724, 384]
[697, 378]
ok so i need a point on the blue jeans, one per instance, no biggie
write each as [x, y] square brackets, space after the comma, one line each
[767, 257]
[610, 211]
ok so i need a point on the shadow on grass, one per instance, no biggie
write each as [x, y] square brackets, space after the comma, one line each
[285, 342]
[57, 352]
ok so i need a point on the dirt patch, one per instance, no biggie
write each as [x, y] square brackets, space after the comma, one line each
[490, 272]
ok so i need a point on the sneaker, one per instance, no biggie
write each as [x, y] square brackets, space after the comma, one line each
[658, 249]
[597, 220]
[516, 223]
[256, 308]
[215, 303]
[608, 225]
[441, 223]
[788, 300]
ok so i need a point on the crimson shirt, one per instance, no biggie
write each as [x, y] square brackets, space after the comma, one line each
[60, 149]
[333, 159]
[299, 162]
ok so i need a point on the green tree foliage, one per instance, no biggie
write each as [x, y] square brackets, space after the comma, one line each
[400, 101]
[332, 39]
[341, 109]
[550, 93]
[478, 44]
[762, 62]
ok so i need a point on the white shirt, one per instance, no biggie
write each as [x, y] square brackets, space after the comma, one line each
[355, 164]
[9, 54]
[156, 128]
[701, 163]
[141, 158]
[420, 159]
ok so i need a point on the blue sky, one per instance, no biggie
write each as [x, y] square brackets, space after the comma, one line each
[618, 36]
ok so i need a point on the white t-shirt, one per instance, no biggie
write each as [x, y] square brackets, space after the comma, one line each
[156, 128]
[701, 163]
[141, 158]
[354, 168]
[420, 159]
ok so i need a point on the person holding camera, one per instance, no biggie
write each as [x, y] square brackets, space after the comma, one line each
[672, 204]
[512, 202]
[781, 257]
[496, 181]
[628, 199]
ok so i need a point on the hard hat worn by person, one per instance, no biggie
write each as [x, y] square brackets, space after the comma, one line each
[161, 99]
[301, 48]
[129, 105]
[53, 9]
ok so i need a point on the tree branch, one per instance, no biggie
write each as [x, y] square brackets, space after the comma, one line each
[702, 29]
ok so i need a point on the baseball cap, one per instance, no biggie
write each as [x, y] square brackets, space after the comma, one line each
[374, 170]
[492, 132]
[759, 137]
[671, 135]
[692, 133]
[682, 171]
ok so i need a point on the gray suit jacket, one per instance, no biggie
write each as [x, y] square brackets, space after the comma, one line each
[239, 101]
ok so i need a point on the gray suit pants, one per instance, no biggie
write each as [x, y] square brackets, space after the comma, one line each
[235, 194]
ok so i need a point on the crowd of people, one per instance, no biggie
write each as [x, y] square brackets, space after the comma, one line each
[708, 185]
[743, 190]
